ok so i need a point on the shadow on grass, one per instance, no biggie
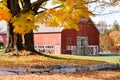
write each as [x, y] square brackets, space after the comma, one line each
[54, 57]
[108, 54]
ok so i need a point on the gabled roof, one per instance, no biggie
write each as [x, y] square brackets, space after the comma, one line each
[44, 29]
[3, 27]
[3, 30]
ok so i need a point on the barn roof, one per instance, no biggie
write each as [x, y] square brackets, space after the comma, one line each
[3, 27]
[44, 29]
[3, 30]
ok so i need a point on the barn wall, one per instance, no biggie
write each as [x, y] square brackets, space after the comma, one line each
[50, 41]
[86, 30]
[3, 39]
[90, 31]
[68, 40]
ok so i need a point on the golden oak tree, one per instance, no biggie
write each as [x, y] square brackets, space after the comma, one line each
[22, 15]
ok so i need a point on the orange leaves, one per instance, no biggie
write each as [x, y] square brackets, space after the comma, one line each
[110, 38]
[4, 15]
[4, 12]
[105, 42]
[115, 35]
[50, 11]
[1, 14]
[69, 4]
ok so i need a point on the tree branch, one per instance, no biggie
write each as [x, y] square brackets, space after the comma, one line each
[86, 2]
[48, 9]
[32, 6]
[36, 5]
[21, 3]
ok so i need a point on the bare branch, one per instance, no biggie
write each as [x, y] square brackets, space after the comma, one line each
[36, 5]
[21, 3]
[47, 9]
[93, 1]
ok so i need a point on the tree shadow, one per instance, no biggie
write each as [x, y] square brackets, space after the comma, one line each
[54, 57]
[108, 54]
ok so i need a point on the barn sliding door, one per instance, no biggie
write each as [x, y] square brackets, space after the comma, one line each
[82, 46]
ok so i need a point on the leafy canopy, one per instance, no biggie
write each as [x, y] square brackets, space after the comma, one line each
[67, 14]
[24, 23]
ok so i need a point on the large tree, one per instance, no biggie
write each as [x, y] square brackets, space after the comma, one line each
[23, 15]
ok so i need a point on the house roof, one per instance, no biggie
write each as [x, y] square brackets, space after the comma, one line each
[3, 30]
[3, 27]
[44, 29]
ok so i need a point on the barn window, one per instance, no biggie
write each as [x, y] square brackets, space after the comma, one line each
[40, 46]
[49, 47]
[70, 47]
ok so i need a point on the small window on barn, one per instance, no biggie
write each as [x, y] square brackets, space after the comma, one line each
[68, 48]
[49, 47]
[40, 46]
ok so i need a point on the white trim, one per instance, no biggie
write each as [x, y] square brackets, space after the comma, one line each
[94, 49]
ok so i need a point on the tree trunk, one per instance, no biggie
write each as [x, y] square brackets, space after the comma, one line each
[10, 41]
[14, 41]
[29, 42]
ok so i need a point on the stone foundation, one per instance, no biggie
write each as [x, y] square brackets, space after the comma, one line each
[55, 69]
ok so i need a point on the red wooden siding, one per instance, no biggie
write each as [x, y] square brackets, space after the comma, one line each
[90, 31]
[68, 39]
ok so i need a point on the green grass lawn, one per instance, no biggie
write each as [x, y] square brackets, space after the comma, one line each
[106, 58]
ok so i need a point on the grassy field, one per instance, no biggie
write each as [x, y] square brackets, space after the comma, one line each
[105, 58]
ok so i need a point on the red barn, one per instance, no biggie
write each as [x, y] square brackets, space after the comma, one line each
[2, 38]
[66, 41]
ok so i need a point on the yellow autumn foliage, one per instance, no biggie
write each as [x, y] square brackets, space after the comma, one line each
[68, 15]
[24, 23]
[4, 12]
